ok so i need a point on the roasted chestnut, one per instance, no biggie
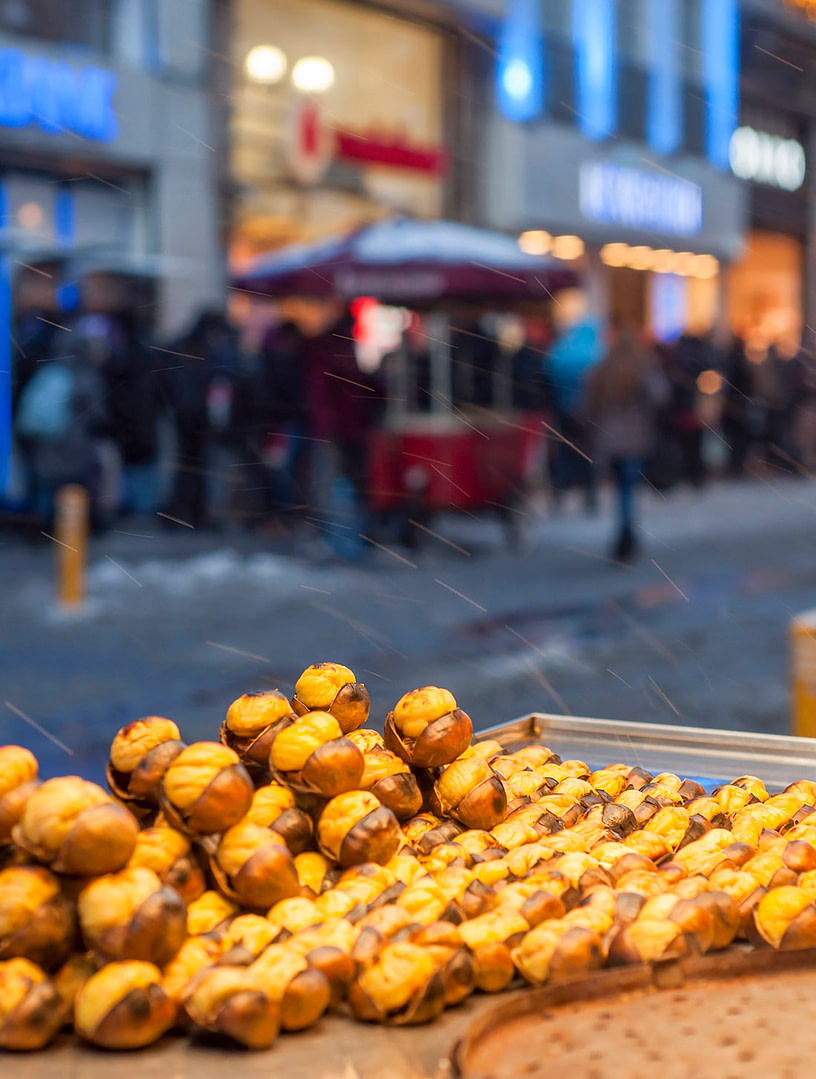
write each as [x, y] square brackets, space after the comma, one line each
[132, 915]
[252, 866]
[389, 778]
[404, 985]
[140, 754]
[31, 1010]
[331, 687]
[470, 791]
[123, 1006]
[251, 724]
[228, 1000]
[273, 806]
[206, 789]
[310, 755]
[74, 827]
[18, 781]
[355, 827]
[36, 921]
[427, 729]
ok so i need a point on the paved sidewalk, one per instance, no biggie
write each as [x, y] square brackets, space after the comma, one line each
[179, 624]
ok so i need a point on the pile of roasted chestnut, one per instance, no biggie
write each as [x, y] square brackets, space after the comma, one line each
[306, 862]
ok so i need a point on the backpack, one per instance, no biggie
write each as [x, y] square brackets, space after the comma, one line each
[45, 408]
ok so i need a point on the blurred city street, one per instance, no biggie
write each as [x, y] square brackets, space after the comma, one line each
[179, 623]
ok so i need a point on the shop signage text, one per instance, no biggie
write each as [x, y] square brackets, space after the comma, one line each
[616, 195]
[313, 145]
[767, 159]
[57, 97]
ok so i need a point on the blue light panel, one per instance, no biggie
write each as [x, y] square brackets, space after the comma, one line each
[664, 118]
[720, 39]
[5, 353]
[593, 32]
[520, 69]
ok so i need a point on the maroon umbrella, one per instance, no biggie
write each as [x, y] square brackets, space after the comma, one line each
[409, 262]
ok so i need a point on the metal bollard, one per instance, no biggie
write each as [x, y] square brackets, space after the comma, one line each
[803, 674]
[71, 533]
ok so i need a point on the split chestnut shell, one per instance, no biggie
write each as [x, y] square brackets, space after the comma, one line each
[123, 1006]
[355, 827]
[206, 789]
[427, 729]
[331, 687]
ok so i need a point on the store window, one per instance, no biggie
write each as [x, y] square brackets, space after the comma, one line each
[79, 22]
[765, 292]
[337, 120]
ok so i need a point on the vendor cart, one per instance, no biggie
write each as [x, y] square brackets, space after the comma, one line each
[449, 455]
[341, 1049]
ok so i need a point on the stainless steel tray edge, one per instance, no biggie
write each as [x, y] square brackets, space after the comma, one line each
[699, 751]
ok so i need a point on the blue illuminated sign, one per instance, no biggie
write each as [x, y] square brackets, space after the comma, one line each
[635, 199]
[720, 39]
[56, 96]
[664, 117]
[593, 31]
[520, 71]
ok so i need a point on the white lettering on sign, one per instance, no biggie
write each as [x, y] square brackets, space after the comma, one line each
[635, 199]
[56, 96]
[767, 159]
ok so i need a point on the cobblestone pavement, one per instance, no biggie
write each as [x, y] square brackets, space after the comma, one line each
[178, 623]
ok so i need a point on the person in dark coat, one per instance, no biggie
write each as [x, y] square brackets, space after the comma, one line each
[210, 402]
[738, 393]
[136, 395]
[280, 427]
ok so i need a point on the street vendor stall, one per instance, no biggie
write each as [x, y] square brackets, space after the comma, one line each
[548, 850]
[446, 455]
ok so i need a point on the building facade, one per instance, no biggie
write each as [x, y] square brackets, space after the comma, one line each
[604, 138]
[109, 154]
[340, 116]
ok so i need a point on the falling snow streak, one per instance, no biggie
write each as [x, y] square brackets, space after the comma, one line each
[238, 651]
[122, 568]
[382, 547]
[58, 325]
[436, 535]
[664, 697]
[461, 595]
[60, 542]
[644, 634]
[176, 520]
[674, 584]
[33, 723]
[566, 441]
[781, 59]
[538, 674]
[368, 633]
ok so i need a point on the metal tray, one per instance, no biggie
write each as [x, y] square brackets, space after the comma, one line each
[709, 756]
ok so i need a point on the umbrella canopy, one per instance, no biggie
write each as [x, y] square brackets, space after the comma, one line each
[402, 261]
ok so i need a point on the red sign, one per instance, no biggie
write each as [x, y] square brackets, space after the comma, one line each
[391, 150]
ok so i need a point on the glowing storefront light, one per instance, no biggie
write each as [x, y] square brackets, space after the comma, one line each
[313, 75]
[767, 159]
[57, 97]
[265, 64]
[594, 31]
[664, 116]
[536, 242]
[567, 247]
[662, 261]
[618, 195]
[520, 71]
[720, 38]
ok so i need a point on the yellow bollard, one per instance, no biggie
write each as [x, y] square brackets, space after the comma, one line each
[71, 533]
[803, 674]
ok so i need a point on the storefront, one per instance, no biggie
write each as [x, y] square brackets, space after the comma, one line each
[650, 240]
[338, 119]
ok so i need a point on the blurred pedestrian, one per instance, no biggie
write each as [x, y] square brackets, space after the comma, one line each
[530, 391]
[738, 406]
[578, 348]
[209, 398]
[773, 397]
[136, 396]
[689, 358]
[624, 393]
[803, 396]
[60, 417]
[281, 424]
[343, 404]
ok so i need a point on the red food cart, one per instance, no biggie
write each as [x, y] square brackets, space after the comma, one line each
[447, 457]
